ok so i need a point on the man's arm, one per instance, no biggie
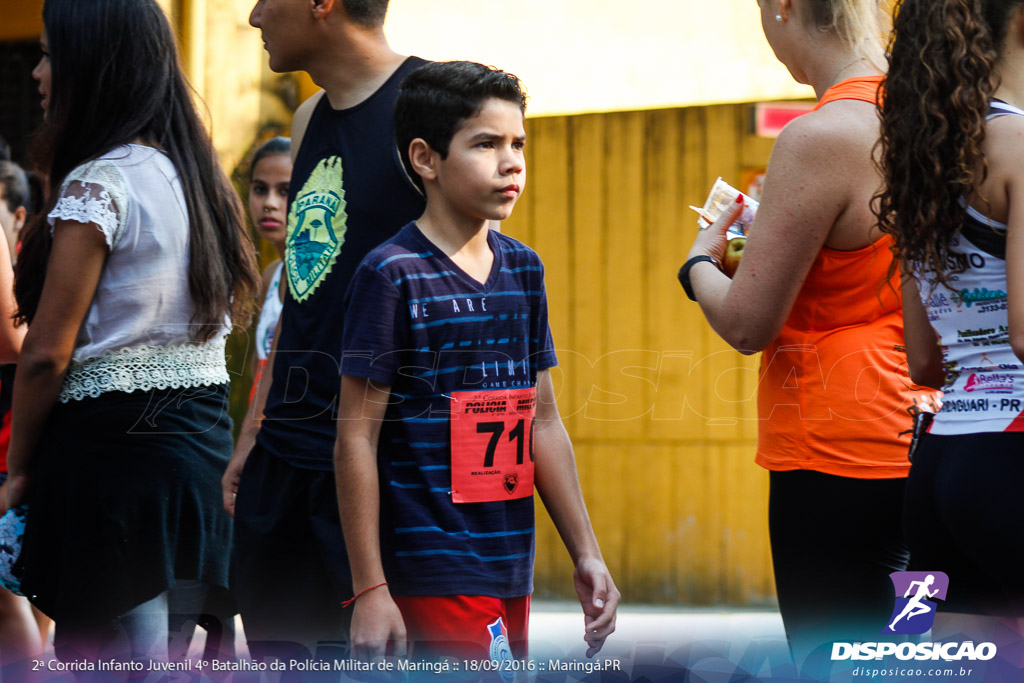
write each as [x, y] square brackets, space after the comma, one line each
[559, 487]
[376, 620]
[251, 425]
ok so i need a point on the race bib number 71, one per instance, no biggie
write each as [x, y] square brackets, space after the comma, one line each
[492, 444]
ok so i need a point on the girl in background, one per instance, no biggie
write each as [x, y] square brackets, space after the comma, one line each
[22, 632]
[952, 144]
[129, 280]
[814, 292]
[269, 176]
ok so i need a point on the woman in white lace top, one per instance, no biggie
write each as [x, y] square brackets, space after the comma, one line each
[130, 281]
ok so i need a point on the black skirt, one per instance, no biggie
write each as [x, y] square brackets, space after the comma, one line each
[125, 497]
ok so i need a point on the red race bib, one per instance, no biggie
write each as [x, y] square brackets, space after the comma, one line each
[492, 444]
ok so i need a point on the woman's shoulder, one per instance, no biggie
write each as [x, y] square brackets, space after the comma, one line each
[106, 169]
[272, 270]
[271, 273]
[829, 150]
[1003, 149]
[115, 168]
[842, 125]
[1004, 137]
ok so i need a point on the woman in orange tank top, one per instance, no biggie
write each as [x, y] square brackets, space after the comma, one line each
[813, 293]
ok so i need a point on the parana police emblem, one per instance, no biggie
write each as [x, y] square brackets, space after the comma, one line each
[316, 228]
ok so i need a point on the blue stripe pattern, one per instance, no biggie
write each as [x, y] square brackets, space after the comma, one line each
[434, 331]
[434, 529]
[463, 553]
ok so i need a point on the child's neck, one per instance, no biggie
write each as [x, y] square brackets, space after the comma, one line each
[462, 239]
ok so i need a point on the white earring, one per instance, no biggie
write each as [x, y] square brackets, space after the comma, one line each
[778, 17]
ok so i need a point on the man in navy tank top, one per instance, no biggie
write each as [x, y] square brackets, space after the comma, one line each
[448, 417]
[349, 192]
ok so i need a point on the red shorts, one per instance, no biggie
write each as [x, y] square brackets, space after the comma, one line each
[466, 626]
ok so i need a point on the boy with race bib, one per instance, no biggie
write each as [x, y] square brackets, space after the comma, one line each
[448, 415]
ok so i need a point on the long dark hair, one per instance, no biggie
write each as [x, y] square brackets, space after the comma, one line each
[941, 78]
[116, 78]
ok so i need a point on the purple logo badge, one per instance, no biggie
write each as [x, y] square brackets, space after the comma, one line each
[914, 612]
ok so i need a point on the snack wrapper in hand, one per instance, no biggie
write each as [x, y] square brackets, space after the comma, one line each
[721, 197]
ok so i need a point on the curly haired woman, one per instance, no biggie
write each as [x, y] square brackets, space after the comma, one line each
[953, 140]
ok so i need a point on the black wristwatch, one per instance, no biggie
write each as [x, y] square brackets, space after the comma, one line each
[684, 272]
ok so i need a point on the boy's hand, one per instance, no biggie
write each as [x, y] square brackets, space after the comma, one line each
[233, 475]
[376, 622]
[599, 598]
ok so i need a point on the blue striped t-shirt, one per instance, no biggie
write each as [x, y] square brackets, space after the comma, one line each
[418, 323]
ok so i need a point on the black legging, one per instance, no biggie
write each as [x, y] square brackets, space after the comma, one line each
[835, 540]
[964, 515]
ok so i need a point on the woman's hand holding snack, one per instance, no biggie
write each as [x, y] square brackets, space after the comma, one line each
[712, 242]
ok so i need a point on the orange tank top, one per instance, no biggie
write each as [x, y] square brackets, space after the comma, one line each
[834, 387]
[862, 88]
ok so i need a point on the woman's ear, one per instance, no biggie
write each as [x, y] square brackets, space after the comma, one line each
[785, 8]
[20, 214]
[423, 159]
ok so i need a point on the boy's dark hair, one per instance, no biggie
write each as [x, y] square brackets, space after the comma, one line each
[368, 13]
[438, 97]
[5, 150]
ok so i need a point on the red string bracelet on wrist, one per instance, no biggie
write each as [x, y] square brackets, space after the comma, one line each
[361, 594]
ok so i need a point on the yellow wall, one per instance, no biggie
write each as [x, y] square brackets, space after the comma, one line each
[20, 19]
[604, 55]
[224, 58]
[660, 410]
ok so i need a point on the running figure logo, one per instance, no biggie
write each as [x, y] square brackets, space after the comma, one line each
[914, 613]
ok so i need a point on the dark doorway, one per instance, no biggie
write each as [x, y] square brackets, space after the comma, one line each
[20, 113]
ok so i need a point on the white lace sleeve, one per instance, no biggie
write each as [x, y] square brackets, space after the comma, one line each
[94, 193]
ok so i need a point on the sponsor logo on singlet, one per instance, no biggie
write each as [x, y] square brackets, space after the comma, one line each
[989, 382]
[316, 228]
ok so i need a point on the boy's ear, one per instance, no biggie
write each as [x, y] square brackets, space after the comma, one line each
[423, 159]
[20, 214]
